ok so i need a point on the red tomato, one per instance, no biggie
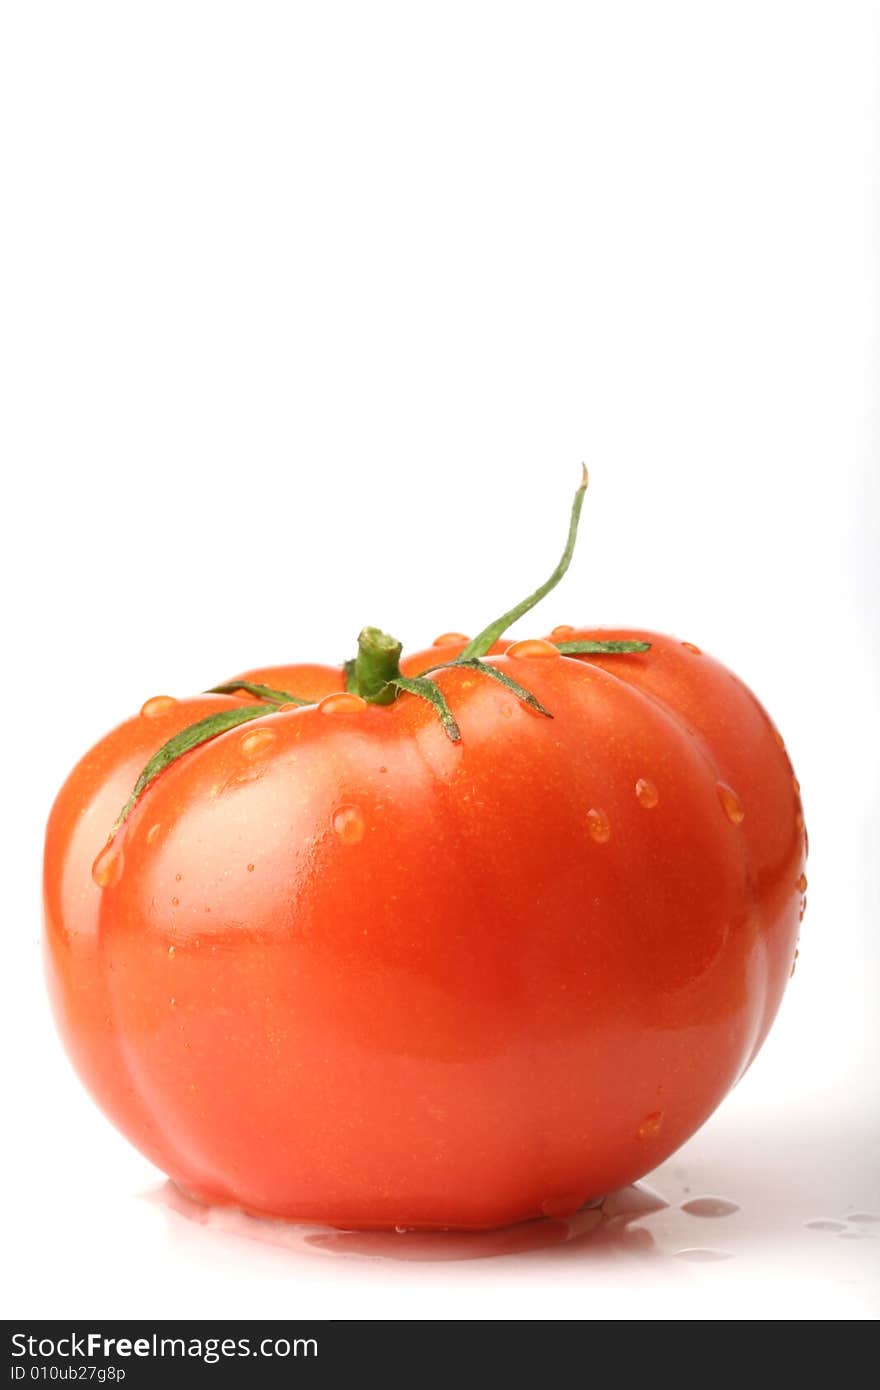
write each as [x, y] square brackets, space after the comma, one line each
[337, 967]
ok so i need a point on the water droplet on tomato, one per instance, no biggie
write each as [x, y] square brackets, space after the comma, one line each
[348, 824]
[158, 704]
[799, 820]
[256, 742]
[780, 741]
[446, 639]
[709, 1206]
[700, 1255]
[153, 832]
[793, 964]
[796, 784]
[730, 803]
[803, 910]
[107, 868]
[171, 950]
[598, 825]
[801, 884]
[403, 1230]
[647, 794]
[343, 702]
[286, 706]
[250, 868]
[178, 877]
[531, 647]
[692, 647]
[175, 902]
[563, 631]
[650, 1125]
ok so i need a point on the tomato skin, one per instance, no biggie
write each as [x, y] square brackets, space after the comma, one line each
[363, 975]
[82, 816]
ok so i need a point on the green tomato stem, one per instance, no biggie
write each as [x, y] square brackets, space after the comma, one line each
[376, 666]
[483, 641]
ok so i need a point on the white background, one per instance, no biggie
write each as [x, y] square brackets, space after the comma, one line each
[310, 313]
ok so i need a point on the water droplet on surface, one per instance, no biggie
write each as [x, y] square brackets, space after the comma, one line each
[801, 884]
[256, 742]
[803, 910]
[250, 868]
[709, 1206]
[175, 902]
[171, 950]
[864, 1217]
[342, 703]
[692, 647]
[533, 647]
[447, 638]
[650, 1125]
[599, 826]
[288, 705]
[699, 1255]
[153, 832]
[348, 824]
[647, 794]
[793, 964]
[825, 1225]
[178, 877]
[402, 1230]
[107, 868]
[158, 704]
[563, 631]
[730, 803]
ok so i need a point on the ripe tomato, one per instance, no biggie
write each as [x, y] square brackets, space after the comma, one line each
[339, 965]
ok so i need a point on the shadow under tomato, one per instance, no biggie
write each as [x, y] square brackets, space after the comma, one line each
[606, 1225]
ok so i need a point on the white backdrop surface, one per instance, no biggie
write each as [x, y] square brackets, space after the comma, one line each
[310, 314]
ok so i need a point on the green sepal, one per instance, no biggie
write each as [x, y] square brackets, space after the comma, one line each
[350, 670]
[503, 679]
[262, 692]
[600, 648]
[427, 690]
[184, 742]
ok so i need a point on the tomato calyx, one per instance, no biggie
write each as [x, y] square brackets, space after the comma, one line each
[479, 646]
[483, 669]
[374, 674]
[261, 692]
